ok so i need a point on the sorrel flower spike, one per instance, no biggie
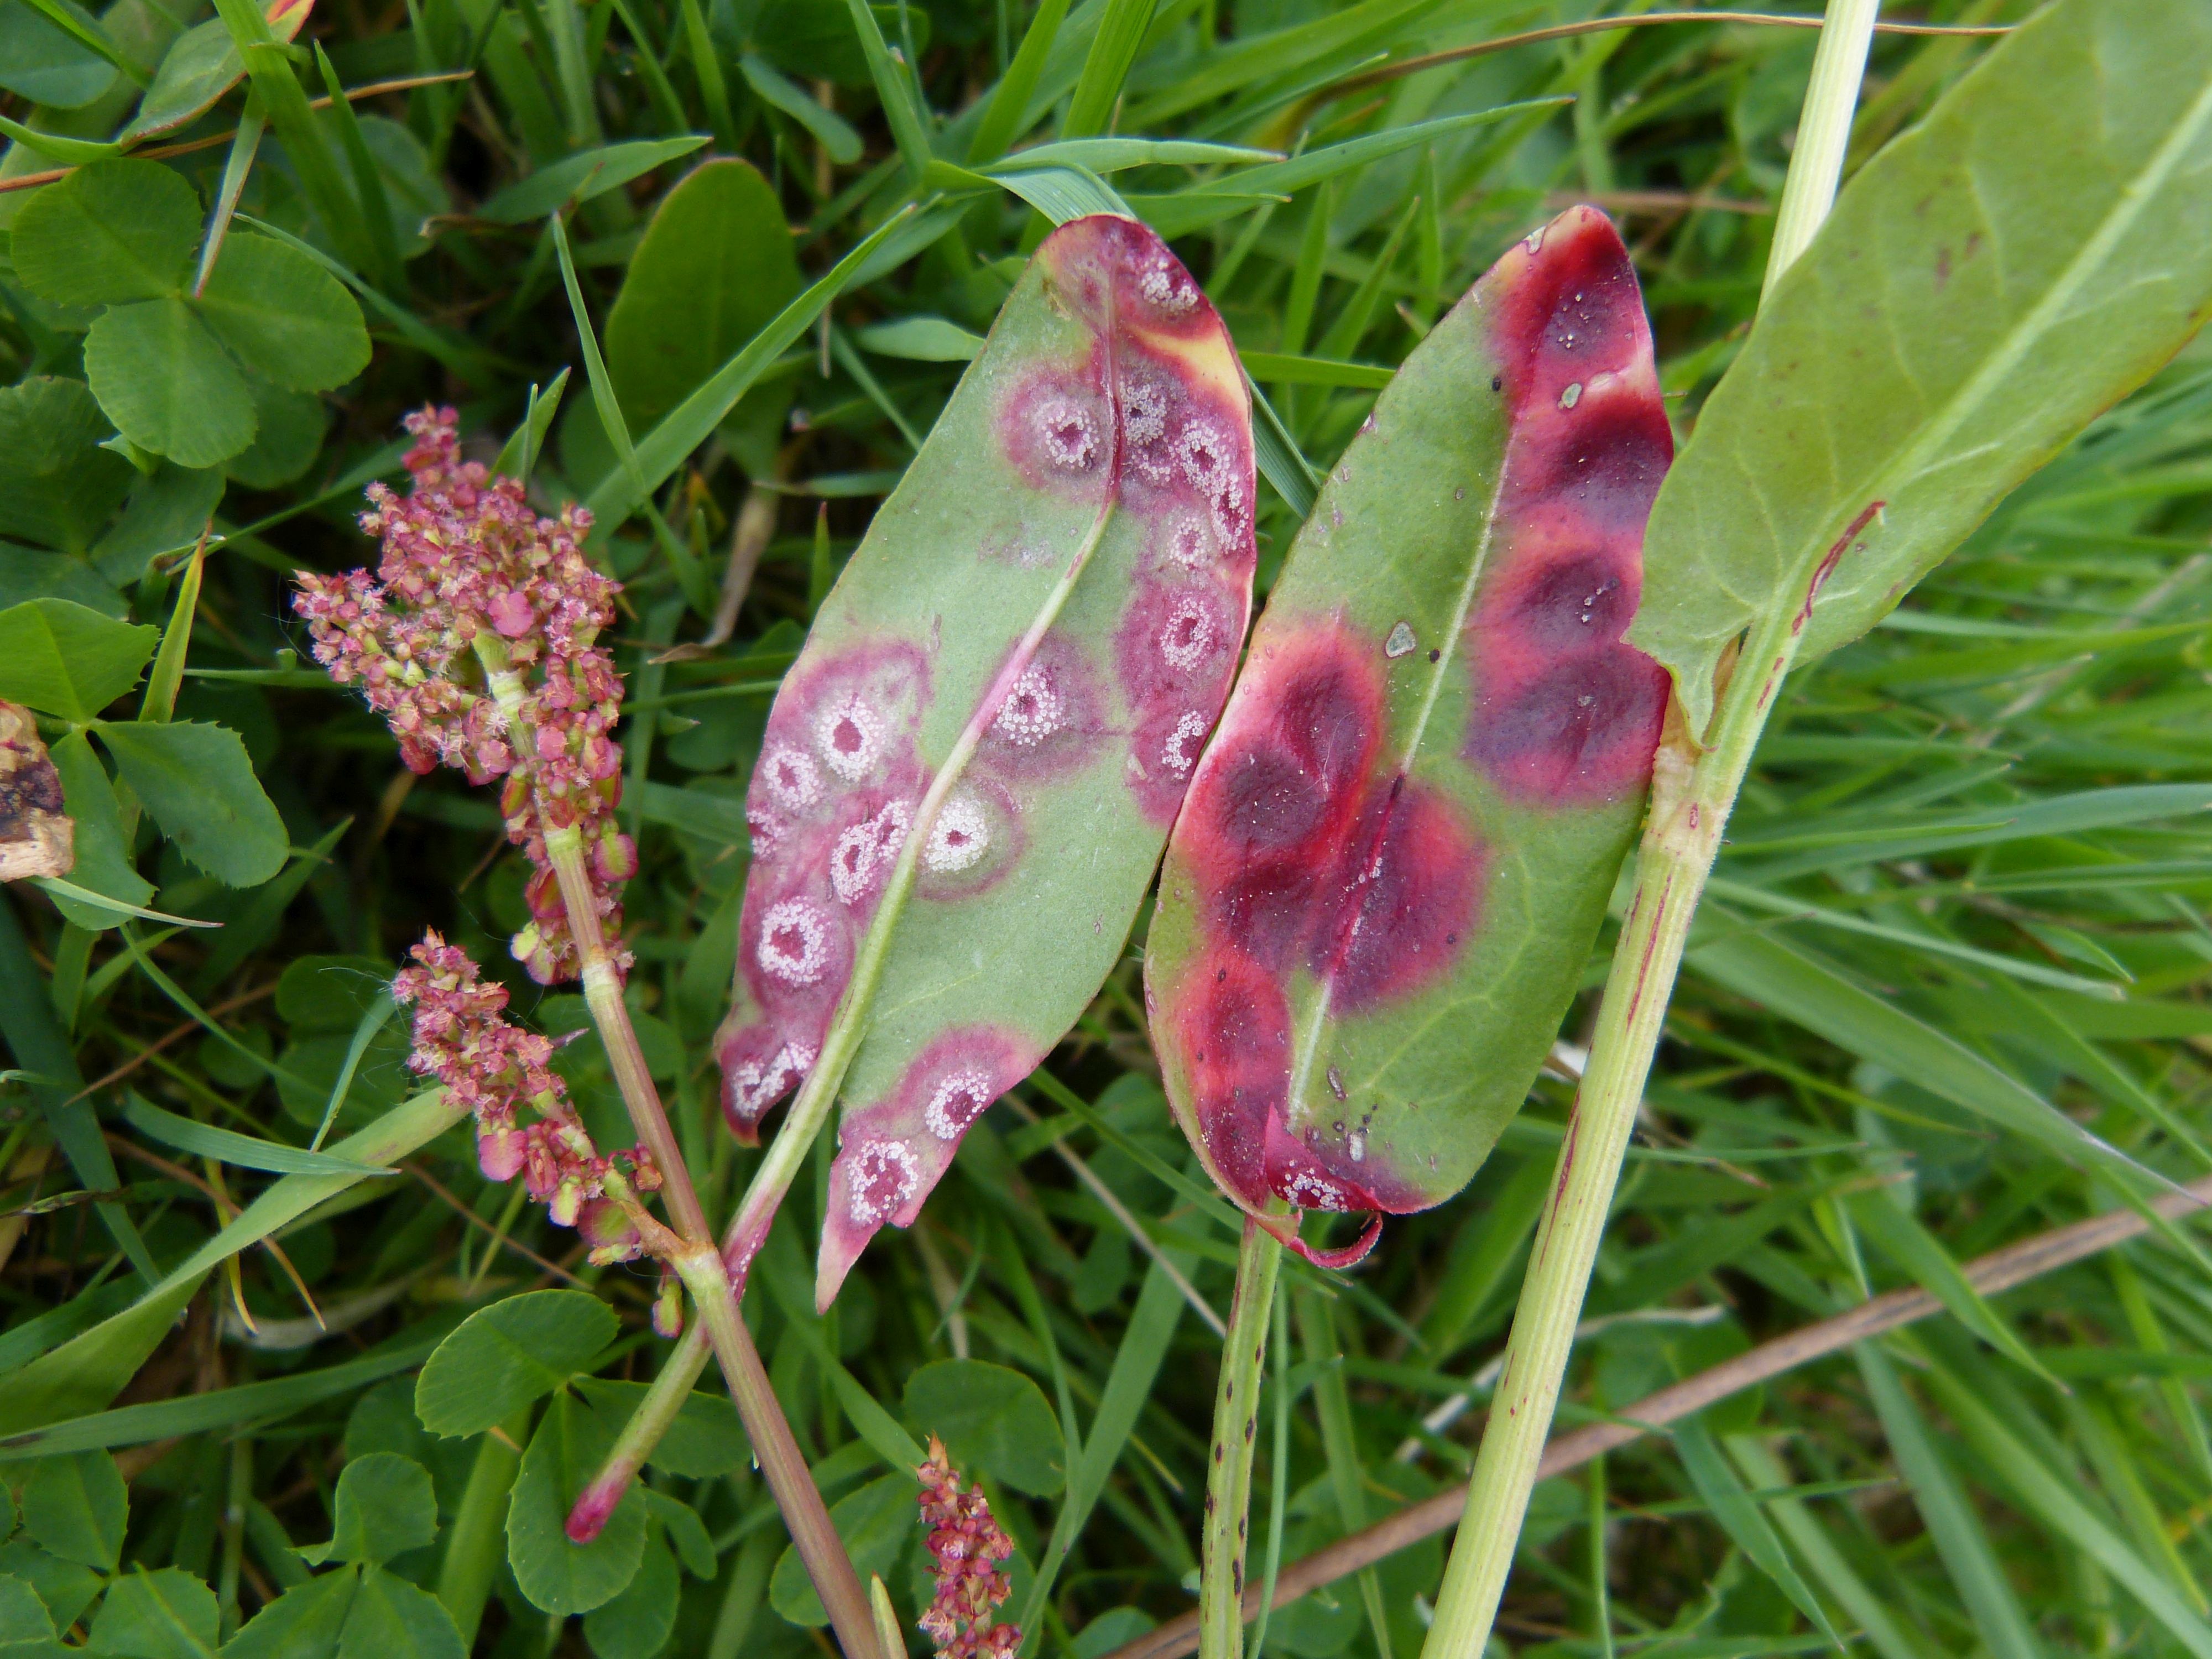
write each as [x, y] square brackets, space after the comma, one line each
[969, 774]
[966, 1547]
[500, 1072]
[477, 640]
[1399, 845]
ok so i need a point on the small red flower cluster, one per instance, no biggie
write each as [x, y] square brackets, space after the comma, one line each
[495, 1068]
[965, 1547]
[469, 571]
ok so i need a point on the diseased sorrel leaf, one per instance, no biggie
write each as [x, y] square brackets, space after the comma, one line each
[1987, 283]
[1399, 845]
[968, 775]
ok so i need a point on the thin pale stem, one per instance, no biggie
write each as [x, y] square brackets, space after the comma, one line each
[1692, 791]
[1824, 132]
[1691, 796]
[1229, 1474]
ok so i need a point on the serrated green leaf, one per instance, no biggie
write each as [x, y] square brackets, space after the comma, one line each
[57, 487]
[284, 318]
[1018, 665]
[384, 1508]
[167, 384]
[993, 1419]
[303, 1623]
[74, 1506]
[637, 1624]
[27, 1629]
[391, 1619]
[167, 1613]
[197, 781]
[110, 232]
[66, 1588]
[40, 61]
[715, 266]
[556, 1574]
[1400, 844]
[505, 1356]
[62, 658]
[580, 177]
[1986, 284]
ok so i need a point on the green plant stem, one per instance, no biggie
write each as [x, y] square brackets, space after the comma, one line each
[1824, 133]
[1692, 795]
[1693, 789]
[476, 1543]
[1229, 1474]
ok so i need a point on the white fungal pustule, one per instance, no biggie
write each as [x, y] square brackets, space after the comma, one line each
[959, 837]
[1188, 634]
[1203, 452]
[767, 834]
[1168, 289]
[758, 1082]
[1144, 408]
[795, 942]
[1033, 710]
[851, 736]
[1191, 542]
[793, 780]
[1308, 1191]
[1401, 640]
[1184, 744]
[866, 850]
[880, 1180]
[958, 1101]
[1067, 433]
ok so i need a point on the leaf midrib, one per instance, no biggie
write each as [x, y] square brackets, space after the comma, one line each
[1306, 1049]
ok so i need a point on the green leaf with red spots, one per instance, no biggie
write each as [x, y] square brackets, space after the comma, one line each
[969, 772]
[1988, 283]
[1398, 845]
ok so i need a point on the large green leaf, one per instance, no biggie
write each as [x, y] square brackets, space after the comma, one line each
[75, 1507]
[201, 66]
[197, 781]
[167, 1613]
[283, 316]
[167, 384]
[993, 1419]
[1400, 844]
[65, 660]
[384, 1508]
[57, 486]
[108, 234]
[715, 266]
[1986, 284]
[1018, 665]
[556, 1574]
[505, 1356]
[392, 1619]
[103, 858]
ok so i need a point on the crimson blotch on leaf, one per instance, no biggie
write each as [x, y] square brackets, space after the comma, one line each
[1399, 844]
[970, 770]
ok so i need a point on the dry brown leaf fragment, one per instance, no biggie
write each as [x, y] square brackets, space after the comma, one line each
[36, 835]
